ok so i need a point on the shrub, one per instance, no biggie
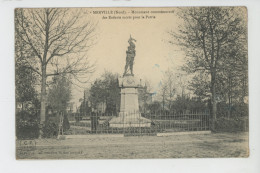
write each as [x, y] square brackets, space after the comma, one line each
[66, 124]
[50, 129]
[236, 110]
[231, 125]
[78, 117]
[27, 125]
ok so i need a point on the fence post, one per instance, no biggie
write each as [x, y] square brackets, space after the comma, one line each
[124, 123]
[140, 130]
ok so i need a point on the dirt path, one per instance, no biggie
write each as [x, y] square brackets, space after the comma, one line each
[185, 146]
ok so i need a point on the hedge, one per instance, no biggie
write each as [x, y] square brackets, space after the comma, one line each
[231, 125]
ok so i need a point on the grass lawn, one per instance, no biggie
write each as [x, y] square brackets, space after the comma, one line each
[178, 146]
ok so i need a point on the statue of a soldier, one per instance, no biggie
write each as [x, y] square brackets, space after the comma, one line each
[130, 55]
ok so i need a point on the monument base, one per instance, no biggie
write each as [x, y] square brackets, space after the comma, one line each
[129, 115]
[132, 120]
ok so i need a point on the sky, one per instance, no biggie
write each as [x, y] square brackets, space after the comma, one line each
[154, 55]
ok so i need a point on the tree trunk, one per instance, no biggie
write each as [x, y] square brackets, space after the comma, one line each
[43, 100]
[214, 102]
[44, 75]
[229, 96]
[163, 104]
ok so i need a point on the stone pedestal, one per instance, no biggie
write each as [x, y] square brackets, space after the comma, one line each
[129, 115]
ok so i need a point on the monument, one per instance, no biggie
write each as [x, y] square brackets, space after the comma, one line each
[129, 115]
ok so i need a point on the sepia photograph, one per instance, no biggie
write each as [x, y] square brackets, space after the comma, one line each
[131, 82]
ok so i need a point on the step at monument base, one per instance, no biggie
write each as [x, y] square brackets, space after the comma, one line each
[130, 121]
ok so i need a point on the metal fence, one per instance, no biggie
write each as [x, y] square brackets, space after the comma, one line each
[134, 124]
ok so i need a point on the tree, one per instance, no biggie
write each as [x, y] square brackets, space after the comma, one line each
[173, 85]
[106, 90]
[232, 80]
[184, 103]
[209, 36]
[25, 81]
[168, 89]
[163, 91]
[58, 39]
[59, 94]
[84, 108]
[25, 77]
[200, 85]
[144, 96]
[27, 118]
[155, 107]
